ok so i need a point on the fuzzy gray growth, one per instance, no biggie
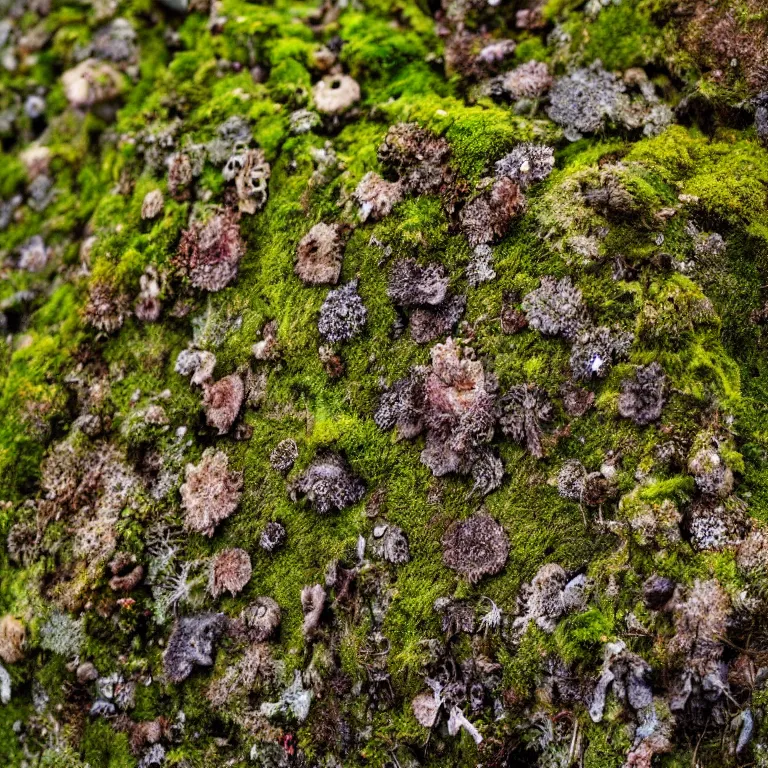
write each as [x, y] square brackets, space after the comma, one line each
[261, 619]
[584, 100]
[295, 700]
[343, 314]
[487, 472]
[272, 537]
[284, 455]
[391, 544]
[530, 80]
[642, 398]
[657, 591]
[5, 685]
[62, 634]
[430, 323]
[328, 485]
[571, 479]
[712, 475]
[412, 285]
[761, 117]
[527, 164]
[191, 644]
[402, 405]
[596, 349]
[524, 408]
[556, 308]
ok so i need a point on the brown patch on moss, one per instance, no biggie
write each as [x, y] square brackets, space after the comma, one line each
[717, 34]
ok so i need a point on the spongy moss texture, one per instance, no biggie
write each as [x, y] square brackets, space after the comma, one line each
[536, 302]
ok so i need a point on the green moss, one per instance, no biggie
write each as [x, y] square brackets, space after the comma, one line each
[522, 668]
[530, 48]
[727, 178]
[622, 36]
[605, 748]
[13, 177]
[375, 49]
[676, 488]
[103, 748]
[63, 757]
[554, 8]
[580, 637]
[697, 325]
[289, 81]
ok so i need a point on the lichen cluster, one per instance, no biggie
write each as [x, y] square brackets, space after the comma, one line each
[384, 383]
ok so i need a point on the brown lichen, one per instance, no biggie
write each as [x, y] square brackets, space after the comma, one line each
[126, 573]
[251, 182]
[91, 82]
[209, 254]
[261, 618]
[312, 603]
[107, 308]
[319, 254]
[152, 205]
[475, 547]
[328, 484]
[489, 216]
[418, 158]
[335, 94]
[230, 571]
[377, 197]
[210, 493]
[222, 402]
[12, 639]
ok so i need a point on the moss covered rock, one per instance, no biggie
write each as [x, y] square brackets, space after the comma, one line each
[383, 383]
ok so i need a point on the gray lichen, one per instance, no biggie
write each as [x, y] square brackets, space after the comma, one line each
[343, 314]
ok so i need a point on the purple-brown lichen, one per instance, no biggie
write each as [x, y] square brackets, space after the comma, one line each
[209, 253]
[230, 571]
[319, 254]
